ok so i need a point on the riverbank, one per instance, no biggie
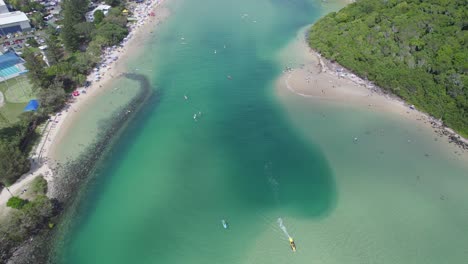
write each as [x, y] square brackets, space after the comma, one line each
[318, 79]
[60, 123]
[113, 66]
[130, 48]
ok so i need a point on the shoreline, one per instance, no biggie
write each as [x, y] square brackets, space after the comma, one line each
[318, 79]
[341, 72]
[77, 173]
[58, 124]
[113, 71]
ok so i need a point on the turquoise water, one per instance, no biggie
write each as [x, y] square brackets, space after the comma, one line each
[254, 155]
[9, 71]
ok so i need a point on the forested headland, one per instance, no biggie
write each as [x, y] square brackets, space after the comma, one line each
[415, 49]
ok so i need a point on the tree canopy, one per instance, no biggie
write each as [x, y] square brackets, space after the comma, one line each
[54, 52]
[416, 49]
[74, 12]
[13, 162]
[25, 5]
[114, 2]
[98, 16]
[16, 202]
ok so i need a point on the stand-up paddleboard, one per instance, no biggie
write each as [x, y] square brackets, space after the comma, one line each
[225, 224]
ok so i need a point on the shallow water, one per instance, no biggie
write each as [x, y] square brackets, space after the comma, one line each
[254, 155]
[93, 117]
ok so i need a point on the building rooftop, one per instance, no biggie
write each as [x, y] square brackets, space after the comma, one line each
[3, 7]
[103, 8]
[13, 17]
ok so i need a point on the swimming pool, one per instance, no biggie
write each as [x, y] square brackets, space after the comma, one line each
[5, 72]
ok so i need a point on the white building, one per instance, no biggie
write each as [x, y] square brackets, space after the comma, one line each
[3, 7]
[13, 22]
[90, 15]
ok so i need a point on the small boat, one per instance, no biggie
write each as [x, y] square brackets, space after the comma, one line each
[292, 244]
[229, 77]
[215, 52]
[195, 117]
[185, 97]
[225, 224]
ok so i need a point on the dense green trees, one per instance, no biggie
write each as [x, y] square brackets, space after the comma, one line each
[35, 65]
[16, 202]
[25, 5]
[29, 218]
[114, 2]
[39, 185]
[15, 144]
[98, 16]
[415, 49]
[54, 52]
[53, 97]
[112, 29]
[37, 19]
[111, 33]
[73, 13]
[13, 162]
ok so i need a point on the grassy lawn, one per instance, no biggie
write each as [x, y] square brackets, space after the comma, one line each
[17, 92]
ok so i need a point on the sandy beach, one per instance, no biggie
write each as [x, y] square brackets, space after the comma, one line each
[113, 65]
[318, 79]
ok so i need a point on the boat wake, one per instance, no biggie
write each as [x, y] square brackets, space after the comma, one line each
[285, 231]
[281, 225]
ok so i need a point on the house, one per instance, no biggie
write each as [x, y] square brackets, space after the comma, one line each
[90, 15]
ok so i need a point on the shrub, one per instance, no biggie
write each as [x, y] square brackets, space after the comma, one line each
[16, 202]
[39, 185]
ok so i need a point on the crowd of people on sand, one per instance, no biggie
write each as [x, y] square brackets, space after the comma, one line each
[110, 55]
[141, 12]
